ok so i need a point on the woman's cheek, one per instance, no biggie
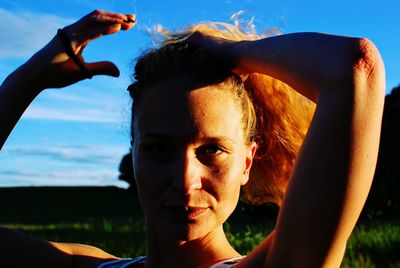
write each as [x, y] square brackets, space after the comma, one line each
[225, 175]
[150, 179]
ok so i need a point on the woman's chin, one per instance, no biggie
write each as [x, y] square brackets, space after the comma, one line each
[186, 230]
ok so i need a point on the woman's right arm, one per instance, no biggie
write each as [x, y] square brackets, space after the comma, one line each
[20, 250]
[52, 67]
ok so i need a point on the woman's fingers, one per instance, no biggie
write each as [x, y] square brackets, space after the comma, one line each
[97, 24]
[125, 21]
[98, 18]
[83, 38]
[90, 27]
[60, 63]
[103, 68]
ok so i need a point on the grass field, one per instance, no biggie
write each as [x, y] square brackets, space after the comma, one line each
[110, 218]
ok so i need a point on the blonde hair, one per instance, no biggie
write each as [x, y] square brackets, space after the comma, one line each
[274, 115]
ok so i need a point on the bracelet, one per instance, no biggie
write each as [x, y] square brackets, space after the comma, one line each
[68, 49]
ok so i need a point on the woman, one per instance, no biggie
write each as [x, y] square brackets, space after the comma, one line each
[191, 158]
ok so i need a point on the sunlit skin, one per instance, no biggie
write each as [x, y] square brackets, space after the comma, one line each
[190, 160]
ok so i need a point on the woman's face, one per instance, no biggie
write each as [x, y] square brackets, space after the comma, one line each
[190, 158]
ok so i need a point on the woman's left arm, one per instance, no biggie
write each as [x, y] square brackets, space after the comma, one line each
[333, 172]
[336, 164]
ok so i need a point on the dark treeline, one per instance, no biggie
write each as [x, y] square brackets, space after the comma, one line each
[384, 198]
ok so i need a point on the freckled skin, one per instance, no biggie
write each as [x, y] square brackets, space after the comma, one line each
[177, 160]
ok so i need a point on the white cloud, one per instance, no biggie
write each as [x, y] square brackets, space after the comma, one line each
[83, 154]
[68, 114]
[63, 95]
[89, 105]
[62, 165]
[86, 101]
[24, 32]
[60, 177]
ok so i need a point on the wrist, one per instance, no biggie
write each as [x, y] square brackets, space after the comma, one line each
[22, 81]
[238, 51]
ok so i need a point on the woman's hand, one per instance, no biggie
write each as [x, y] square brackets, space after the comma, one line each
[222, 47]
[52, 66]
[60, 63]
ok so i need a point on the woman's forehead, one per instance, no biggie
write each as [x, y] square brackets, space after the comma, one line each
[206, 112]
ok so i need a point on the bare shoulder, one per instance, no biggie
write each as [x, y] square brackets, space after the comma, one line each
[83, 256]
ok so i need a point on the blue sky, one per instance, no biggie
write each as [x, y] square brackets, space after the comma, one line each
[77, 135]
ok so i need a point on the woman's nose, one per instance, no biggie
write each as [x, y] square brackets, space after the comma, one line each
[187, 176]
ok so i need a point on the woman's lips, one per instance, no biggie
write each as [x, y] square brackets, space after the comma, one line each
[193, 212]
[187, 212]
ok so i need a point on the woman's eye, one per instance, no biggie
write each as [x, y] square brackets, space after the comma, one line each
[210, 149]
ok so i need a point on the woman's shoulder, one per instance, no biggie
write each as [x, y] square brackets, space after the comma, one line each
[123, 263]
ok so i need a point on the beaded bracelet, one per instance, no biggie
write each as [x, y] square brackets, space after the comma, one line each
[68, 49]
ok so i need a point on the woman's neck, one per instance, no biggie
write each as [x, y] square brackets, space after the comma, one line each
[162, 251]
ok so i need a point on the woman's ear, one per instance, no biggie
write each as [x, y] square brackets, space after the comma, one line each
[251, 151]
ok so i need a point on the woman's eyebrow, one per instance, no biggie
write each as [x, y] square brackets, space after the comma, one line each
[212, 139]
[203, 139]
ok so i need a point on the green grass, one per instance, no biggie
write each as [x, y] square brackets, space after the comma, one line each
[371, 244]
[374, 244]
[116, 225]
[120, 237]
